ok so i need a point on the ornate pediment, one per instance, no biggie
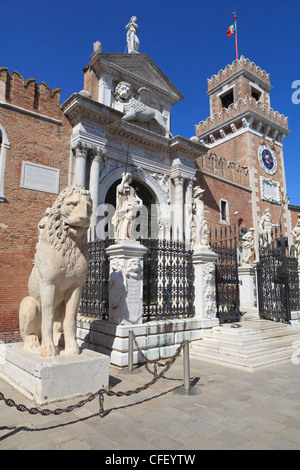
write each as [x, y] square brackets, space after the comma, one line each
[139, 69]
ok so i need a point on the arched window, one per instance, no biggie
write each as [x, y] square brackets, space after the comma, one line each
[4, 145]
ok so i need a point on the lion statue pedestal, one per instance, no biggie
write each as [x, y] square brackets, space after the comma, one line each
[49, 365]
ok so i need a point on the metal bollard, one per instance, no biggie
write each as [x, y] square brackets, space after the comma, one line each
[186, 366]
[130, 351]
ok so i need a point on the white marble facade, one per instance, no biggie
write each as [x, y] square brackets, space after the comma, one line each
[110, 137]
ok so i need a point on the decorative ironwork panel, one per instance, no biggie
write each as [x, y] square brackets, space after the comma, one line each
[278, 281]
[168, 280]
[227, 282]
[95, 290]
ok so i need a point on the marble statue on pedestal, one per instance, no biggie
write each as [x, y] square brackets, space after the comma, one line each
[248, 245]
[48, 315]
[199, 228]
[127, 205]
[132, 39]
[265, 227]
[296, 233]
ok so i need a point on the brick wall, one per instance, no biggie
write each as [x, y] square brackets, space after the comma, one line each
[33, 138]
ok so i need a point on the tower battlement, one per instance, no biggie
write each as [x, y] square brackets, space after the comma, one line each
[17, 91]
[238, 66]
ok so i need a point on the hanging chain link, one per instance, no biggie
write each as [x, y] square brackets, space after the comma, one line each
[101, 392]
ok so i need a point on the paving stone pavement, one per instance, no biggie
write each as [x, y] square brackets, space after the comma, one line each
[226, 410]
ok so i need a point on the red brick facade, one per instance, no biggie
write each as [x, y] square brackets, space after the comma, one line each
[38, 132]
[240, 121]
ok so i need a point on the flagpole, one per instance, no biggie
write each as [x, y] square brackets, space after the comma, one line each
[236, 41]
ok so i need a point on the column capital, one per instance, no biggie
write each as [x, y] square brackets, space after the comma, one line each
[178, 180]
[80, 149]
[98, 154]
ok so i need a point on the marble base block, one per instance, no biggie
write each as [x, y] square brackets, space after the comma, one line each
[46, 380]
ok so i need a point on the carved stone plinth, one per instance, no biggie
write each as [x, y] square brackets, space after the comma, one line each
[205, 289]
[126, 282]
[247, 286]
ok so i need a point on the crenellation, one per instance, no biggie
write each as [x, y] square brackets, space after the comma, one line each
[234, 109]
[223, 168]
[27, 94]
[235, 67]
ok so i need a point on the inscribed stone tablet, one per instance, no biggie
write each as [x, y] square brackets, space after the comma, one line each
[40, 177]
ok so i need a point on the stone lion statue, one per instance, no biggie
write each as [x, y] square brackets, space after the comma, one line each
[48, 315]
[138, 109]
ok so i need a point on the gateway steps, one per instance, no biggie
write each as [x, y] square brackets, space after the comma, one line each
[249, 345]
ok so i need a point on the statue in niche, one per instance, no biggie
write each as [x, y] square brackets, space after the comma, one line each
[296, 233]
[127, 205]
[132, 39]
[248, 245]
[117, 293]
[140, 109]
[197, 217]
[265, 227]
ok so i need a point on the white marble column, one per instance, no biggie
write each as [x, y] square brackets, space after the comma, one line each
[187, 211]
[80, 171]
[178, 209]
[97, 159]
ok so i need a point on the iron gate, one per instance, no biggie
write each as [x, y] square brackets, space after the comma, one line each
[168, 280]
[227, 281]
[277, 282]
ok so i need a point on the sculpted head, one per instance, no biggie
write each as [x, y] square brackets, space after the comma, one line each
[123, 91]
[69, 216]
[76, 210]
[134, 266]
[198, 192]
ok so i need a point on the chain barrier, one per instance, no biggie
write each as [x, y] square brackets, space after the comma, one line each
[101, 392]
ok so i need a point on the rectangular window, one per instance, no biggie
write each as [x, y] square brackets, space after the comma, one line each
[227, 99]
[224, 213]
[255, 94]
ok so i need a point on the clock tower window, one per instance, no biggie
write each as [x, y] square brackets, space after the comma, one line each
[227, 99]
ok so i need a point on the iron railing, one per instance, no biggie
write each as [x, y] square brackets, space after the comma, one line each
[278, 281]
[168, 280]
[95, 290]
[225, 244]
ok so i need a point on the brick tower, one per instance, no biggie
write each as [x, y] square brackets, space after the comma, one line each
[244, 129]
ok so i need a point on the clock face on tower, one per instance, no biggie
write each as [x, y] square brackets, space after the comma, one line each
[267, 159]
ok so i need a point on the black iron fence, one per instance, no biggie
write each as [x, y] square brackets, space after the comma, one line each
[224, 242]
[278, 281]
[95, 290]
[168, 281]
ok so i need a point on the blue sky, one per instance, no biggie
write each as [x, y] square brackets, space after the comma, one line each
[51, 41]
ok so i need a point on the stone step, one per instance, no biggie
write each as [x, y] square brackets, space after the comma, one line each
[249, 345]
[247, 365]
[250, 351]
[244, 337]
